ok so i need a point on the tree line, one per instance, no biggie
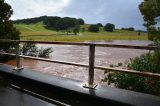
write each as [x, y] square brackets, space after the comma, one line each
[67, 24]
[30, 20]
[96, 27]
[128, 29]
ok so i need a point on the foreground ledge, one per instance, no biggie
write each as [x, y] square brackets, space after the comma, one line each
[71, 92]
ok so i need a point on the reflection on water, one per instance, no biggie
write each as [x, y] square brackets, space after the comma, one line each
[79, 54]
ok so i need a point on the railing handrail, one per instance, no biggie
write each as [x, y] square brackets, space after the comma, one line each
[145, 74]
[91, 57]
[83, 44]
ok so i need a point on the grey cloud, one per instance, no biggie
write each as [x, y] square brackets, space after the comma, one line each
[123, 13]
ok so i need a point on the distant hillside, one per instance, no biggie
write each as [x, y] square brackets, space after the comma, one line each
[33, 29]
[44, 19]
[67, 24]
[30, 20]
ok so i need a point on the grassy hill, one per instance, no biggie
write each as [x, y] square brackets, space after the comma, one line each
[39, 32]
[33, 29]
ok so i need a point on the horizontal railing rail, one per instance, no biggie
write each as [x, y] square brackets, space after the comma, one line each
[91, 65]
[84, 44]
[145, 74]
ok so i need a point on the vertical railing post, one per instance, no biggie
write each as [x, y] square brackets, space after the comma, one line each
[18, 59]
[91, 64]
[91, 67]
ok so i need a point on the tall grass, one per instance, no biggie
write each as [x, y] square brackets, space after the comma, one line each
[73, 38]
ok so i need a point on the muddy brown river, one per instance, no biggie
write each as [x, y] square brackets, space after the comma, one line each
[104, 56]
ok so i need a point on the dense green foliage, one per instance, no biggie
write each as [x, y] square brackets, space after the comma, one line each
[76, 29]
[109, 27]
[93, 28]
[153, 33]
[64, 24]
[80, 21]
[150, 9]
[7, 31]
[30, 20]
[51, 22]
[149, 62]
[128, 29]
[99, 25]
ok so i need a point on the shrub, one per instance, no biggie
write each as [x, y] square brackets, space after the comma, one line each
[153, 34]
[147, 62]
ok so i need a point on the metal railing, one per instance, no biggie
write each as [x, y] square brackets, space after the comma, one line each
[91, 64]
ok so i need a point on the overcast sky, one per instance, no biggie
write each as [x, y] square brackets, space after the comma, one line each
[122, 13]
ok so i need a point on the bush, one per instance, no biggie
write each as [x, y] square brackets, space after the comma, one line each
[153, 34]
[148, 62]
[93, 28]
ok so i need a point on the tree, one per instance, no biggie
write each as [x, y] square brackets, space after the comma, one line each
[81, 21]
[150, 9]
[128, 29]
[99, 25]
[109, 27]
[51, 22]
[7, 31]
[76, 29]
[66, 24]
[93, 28]
[30, 20]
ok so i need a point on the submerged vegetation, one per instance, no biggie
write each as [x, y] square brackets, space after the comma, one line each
[30, 49]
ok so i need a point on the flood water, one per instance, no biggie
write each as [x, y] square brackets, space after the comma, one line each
[104, 56]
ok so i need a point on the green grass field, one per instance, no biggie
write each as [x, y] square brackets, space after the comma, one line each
[33, 29]
[39, 32]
